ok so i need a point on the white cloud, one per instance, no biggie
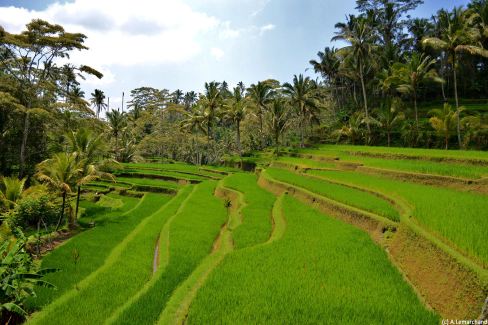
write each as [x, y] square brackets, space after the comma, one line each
[261, 5]
[217, 53]
[228, 32]
[124, 32]
[266, 28]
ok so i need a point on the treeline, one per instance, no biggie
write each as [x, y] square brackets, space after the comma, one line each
[390, 80]
[387, 86]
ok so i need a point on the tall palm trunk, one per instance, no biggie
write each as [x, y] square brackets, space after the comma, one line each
[365, 99]
[238, 137]
[261, 112]
[23, 146]
[416, 110]
[277, 143]
[302, 126]
[458, 121]
[77, 202]
[62, 211]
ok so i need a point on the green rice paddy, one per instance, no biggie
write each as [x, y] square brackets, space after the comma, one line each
[190, 257]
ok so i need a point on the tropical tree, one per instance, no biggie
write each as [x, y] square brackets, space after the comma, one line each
[197, 119]
[117, 122]
[178, 96]
[235, 110]
[278, 120]
[444, 121]
[410, 75]
[98, 101]
[30, 58]
[352, 128]
[19, 275]
[388, 117]
[260, 94]
[190, 99]
[61, 172]
[361, 39]
[458, 35]
[212, 101]
[302, 94]
[88, 149]
[11, 189]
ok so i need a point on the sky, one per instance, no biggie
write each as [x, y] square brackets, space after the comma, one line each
[181, 44]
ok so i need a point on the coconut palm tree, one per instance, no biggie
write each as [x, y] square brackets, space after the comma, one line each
[212, 101]
[117, 122]
[61, 172]
[444, 121]
[278, 119]
[302, 95]
[361, 39]
[389, 116]
[98, 101]
[11, 189]
[410, 75]
[260, 94]
[177, 96]
[352, 128]
[458, 34]
[235, 110]
[89, 149]
[190, 98]
[197, 119]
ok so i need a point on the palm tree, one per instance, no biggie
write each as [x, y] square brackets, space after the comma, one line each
[242, 87]
[11, 189]
[328, 64]
[88, 149]
[361, 39]
[278, 120]
[98, 101]
[212, 101]
[236, 108]
[61, 172]
[190, 99]
[388, 116]
[444, 121]
[117, 122]
[351, 129]
[197, 118]
[260, 94]
[458, 35]
[302, 95]
[410, 75]
[177, 96]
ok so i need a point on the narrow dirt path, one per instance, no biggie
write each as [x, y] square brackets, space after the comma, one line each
[161, 260]
[178, 306]
[176, 311]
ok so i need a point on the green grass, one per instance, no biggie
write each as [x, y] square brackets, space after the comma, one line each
[93, 245]
[321, 271]
[109, 184]
[454, 169]
[256, 226]
[343, 194]
[306, 162]
[409, 152]
[148, 182]
[191, 236]
[124, 272]
[163, 172]
[458, 216]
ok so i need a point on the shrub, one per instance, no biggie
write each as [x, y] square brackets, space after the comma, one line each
[30, 210]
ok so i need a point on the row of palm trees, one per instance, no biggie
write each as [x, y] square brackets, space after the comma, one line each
[396, 65]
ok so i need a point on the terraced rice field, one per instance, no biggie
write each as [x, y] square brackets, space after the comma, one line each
[234, 247]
